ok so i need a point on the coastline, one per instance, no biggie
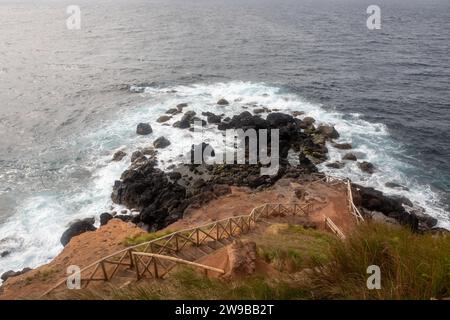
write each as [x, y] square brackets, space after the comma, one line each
[173, 195]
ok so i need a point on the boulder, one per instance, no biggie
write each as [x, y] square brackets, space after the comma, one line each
[76, 228]
[163, 118]
[181, 106]
[366, 167]
[119, 155]
[297, 113]
[173, 111]
[161, 143]
[185, 121]
[278, 119]
[308, 121]
[223, 102]
[211, 117]
[336, 165]
[350, 157]
[9, 274]
[136, 155]
[342, 146]
[394, 185]
[104, 218]
[374, 200]
[328, 132]
[144, 129]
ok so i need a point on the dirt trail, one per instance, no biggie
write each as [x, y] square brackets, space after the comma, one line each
[329, 200]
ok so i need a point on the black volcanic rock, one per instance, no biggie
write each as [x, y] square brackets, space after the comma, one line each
[144, 129]
[76, 228]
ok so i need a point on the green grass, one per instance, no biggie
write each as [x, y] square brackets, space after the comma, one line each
[316, 265]
[132, 241]
[189, 284]
[412, 266]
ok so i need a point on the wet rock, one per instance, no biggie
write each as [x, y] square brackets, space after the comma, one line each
[394, 185]
[149, 151]
[278, 119]
[76, 228]
[161, 143]
[336, 165]
[342, 146]
[308, 121]
[366, 167]
[151, 191]
[211, 117]
[425, 221]
[119, 155]
[144, 129]
[374, 200]
[223, 102]
[173, 111]
[163, 119]
[185, 121]
[5, 253]
[350, 157]
[181, 106]
[136, 155]
[297, 113]
[174, 176]
[328, 132]
[104, 218]
[259, 110]
[10, 274]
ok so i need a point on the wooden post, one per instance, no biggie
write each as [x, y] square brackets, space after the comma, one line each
[176, 243]
[105, 275]
[155, 268]
[136, 263]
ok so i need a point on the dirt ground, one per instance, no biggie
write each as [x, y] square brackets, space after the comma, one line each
[329, 200]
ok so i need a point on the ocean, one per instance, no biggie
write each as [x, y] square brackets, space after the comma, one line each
[70, 98]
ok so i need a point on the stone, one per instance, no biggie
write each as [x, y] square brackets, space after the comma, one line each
[119, 155]
[366, 167]
[350, 157]
[76, 228]
[223, 102]
[144, 129]
[163, 118]
[161, 143]
[342, 146]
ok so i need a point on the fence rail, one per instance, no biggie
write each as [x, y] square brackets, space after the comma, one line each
[158, 257]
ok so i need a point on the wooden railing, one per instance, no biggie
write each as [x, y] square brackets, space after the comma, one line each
[158, 257]
[351, 205]
[334, 228]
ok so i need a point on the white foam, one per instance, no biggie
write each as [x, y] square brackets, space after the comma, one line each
[40, 220]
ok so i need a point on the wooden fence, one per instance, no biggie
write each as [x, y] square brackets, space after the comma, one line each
[158, 257]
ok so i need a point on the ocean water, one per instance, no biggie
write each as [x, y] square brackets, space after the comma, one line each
[70, 99]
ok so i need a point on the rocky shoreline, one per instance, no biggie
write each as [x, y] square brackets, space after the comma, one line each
[156, 198]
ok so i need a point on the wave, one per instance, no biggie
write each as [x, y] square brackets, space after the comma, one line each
[33, 231]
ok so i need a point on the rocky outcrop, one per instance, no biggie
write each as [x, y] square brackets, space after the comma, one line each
[350, 157]
[9, 274]
[76, 228]
[335, 165]
[328, 132]
[342, 146]
[374, 200]
[104, 218]
[144, 129]
[242, 259]
[163, 119]
[223, 102]
[119, 155]
[366, 167]
[161, 143]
